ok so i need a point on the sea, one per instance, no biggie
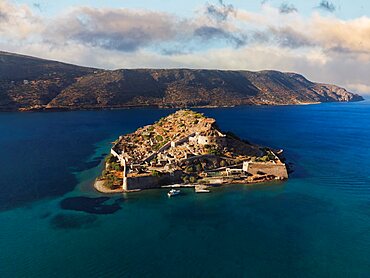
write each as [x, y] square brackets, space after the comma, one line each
[316, 224]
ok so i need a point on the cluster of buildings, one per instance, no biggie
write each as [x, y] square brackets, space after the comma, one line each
[188, 143]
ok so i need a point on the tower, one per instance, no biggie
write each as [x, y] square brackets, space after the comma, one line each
[124, 177]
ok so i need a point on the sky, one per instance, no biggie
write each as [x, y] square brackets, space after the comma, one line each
[327, 41]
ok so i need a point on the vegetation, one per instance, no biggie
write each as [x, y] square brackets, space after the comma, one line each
[189, 169]
[155, 173]
[185, 179]
[159, 138]
[192, 179]
[223, 163]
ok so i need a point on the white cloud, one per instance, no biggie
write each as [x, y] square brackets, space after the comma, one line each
[359, 88]
[17, 22]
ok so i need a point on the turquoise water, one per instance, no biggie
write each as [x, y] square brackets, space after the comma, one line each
[317, 224]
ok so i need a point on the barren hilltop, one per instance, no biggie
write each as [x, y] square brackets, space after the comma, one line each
[29, 83]
[186, 148]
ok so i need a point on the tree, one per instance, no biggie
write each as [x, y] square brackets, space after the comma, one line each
[189, 169]
[185, 179]
[155, 173]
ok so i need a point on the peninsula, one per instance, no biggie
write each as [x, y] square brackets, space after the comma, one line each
[29, 83]
[186, 148]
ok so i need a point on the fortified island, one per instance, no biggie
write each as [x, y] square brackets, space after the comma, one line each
[186, 149]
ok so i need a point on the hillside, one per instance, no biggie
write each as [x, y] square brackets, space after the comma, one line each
[28, 83]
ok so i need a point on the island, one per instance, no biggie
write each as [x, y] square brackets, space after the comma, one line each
[186, 149]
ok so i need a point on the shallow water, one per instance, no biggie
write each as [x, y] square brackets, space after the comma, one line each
[317, 224]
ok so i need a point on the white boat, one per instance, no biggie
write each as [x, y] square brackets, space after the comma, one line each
[173, 192]
[200, 190]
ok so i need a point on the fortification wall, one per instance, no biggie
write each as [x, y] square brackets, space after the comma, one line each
[114, 153]
[149, 182]
[278, 170]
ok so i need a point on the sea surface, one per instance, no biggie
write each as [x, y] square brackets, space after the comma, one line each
[317, 224]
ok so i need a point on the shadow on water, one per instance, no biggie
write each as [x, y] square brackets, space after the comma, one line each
[73, 221]
[89, 164]
[90, 205]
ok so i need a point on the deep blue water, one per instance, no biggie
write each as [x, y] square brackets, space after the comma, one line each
[317, 224]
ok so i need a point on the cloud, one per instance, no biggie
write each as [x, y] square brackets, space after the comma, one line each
[320, 46]
[17, 22]
[286, 8]
[115, 29]
[209, 32]
[219, 12]
[359, 88]
[129, 30]
[290, 38]
[327, 6]
[326, 32]
[37, 6]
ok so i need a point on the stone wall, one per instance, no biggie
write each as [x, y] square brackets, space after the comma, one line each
[114, 153]
[149, 182]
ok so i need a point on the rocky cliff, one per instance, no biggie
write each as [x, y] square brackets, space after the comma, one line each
[28, 83]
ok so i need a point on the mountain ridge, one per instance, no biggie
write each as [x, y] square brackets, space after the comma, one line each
[30, 83]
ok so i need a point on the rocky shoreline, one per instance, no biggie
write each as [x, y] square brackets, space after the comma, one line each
[124, 107]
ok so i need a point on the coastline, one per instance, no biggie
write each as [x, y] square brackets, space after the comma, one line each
[125, 107]
[101, 188]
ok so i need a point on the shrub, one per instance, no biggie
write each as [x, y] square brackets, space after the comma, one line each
[189, 169]
[159, 138]
[156, 147]
[110, 184]
[271, 156]
[213, 151]
[109, 158]
[155, 173]
[192, 179]
[185, 179]
[263, 158]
